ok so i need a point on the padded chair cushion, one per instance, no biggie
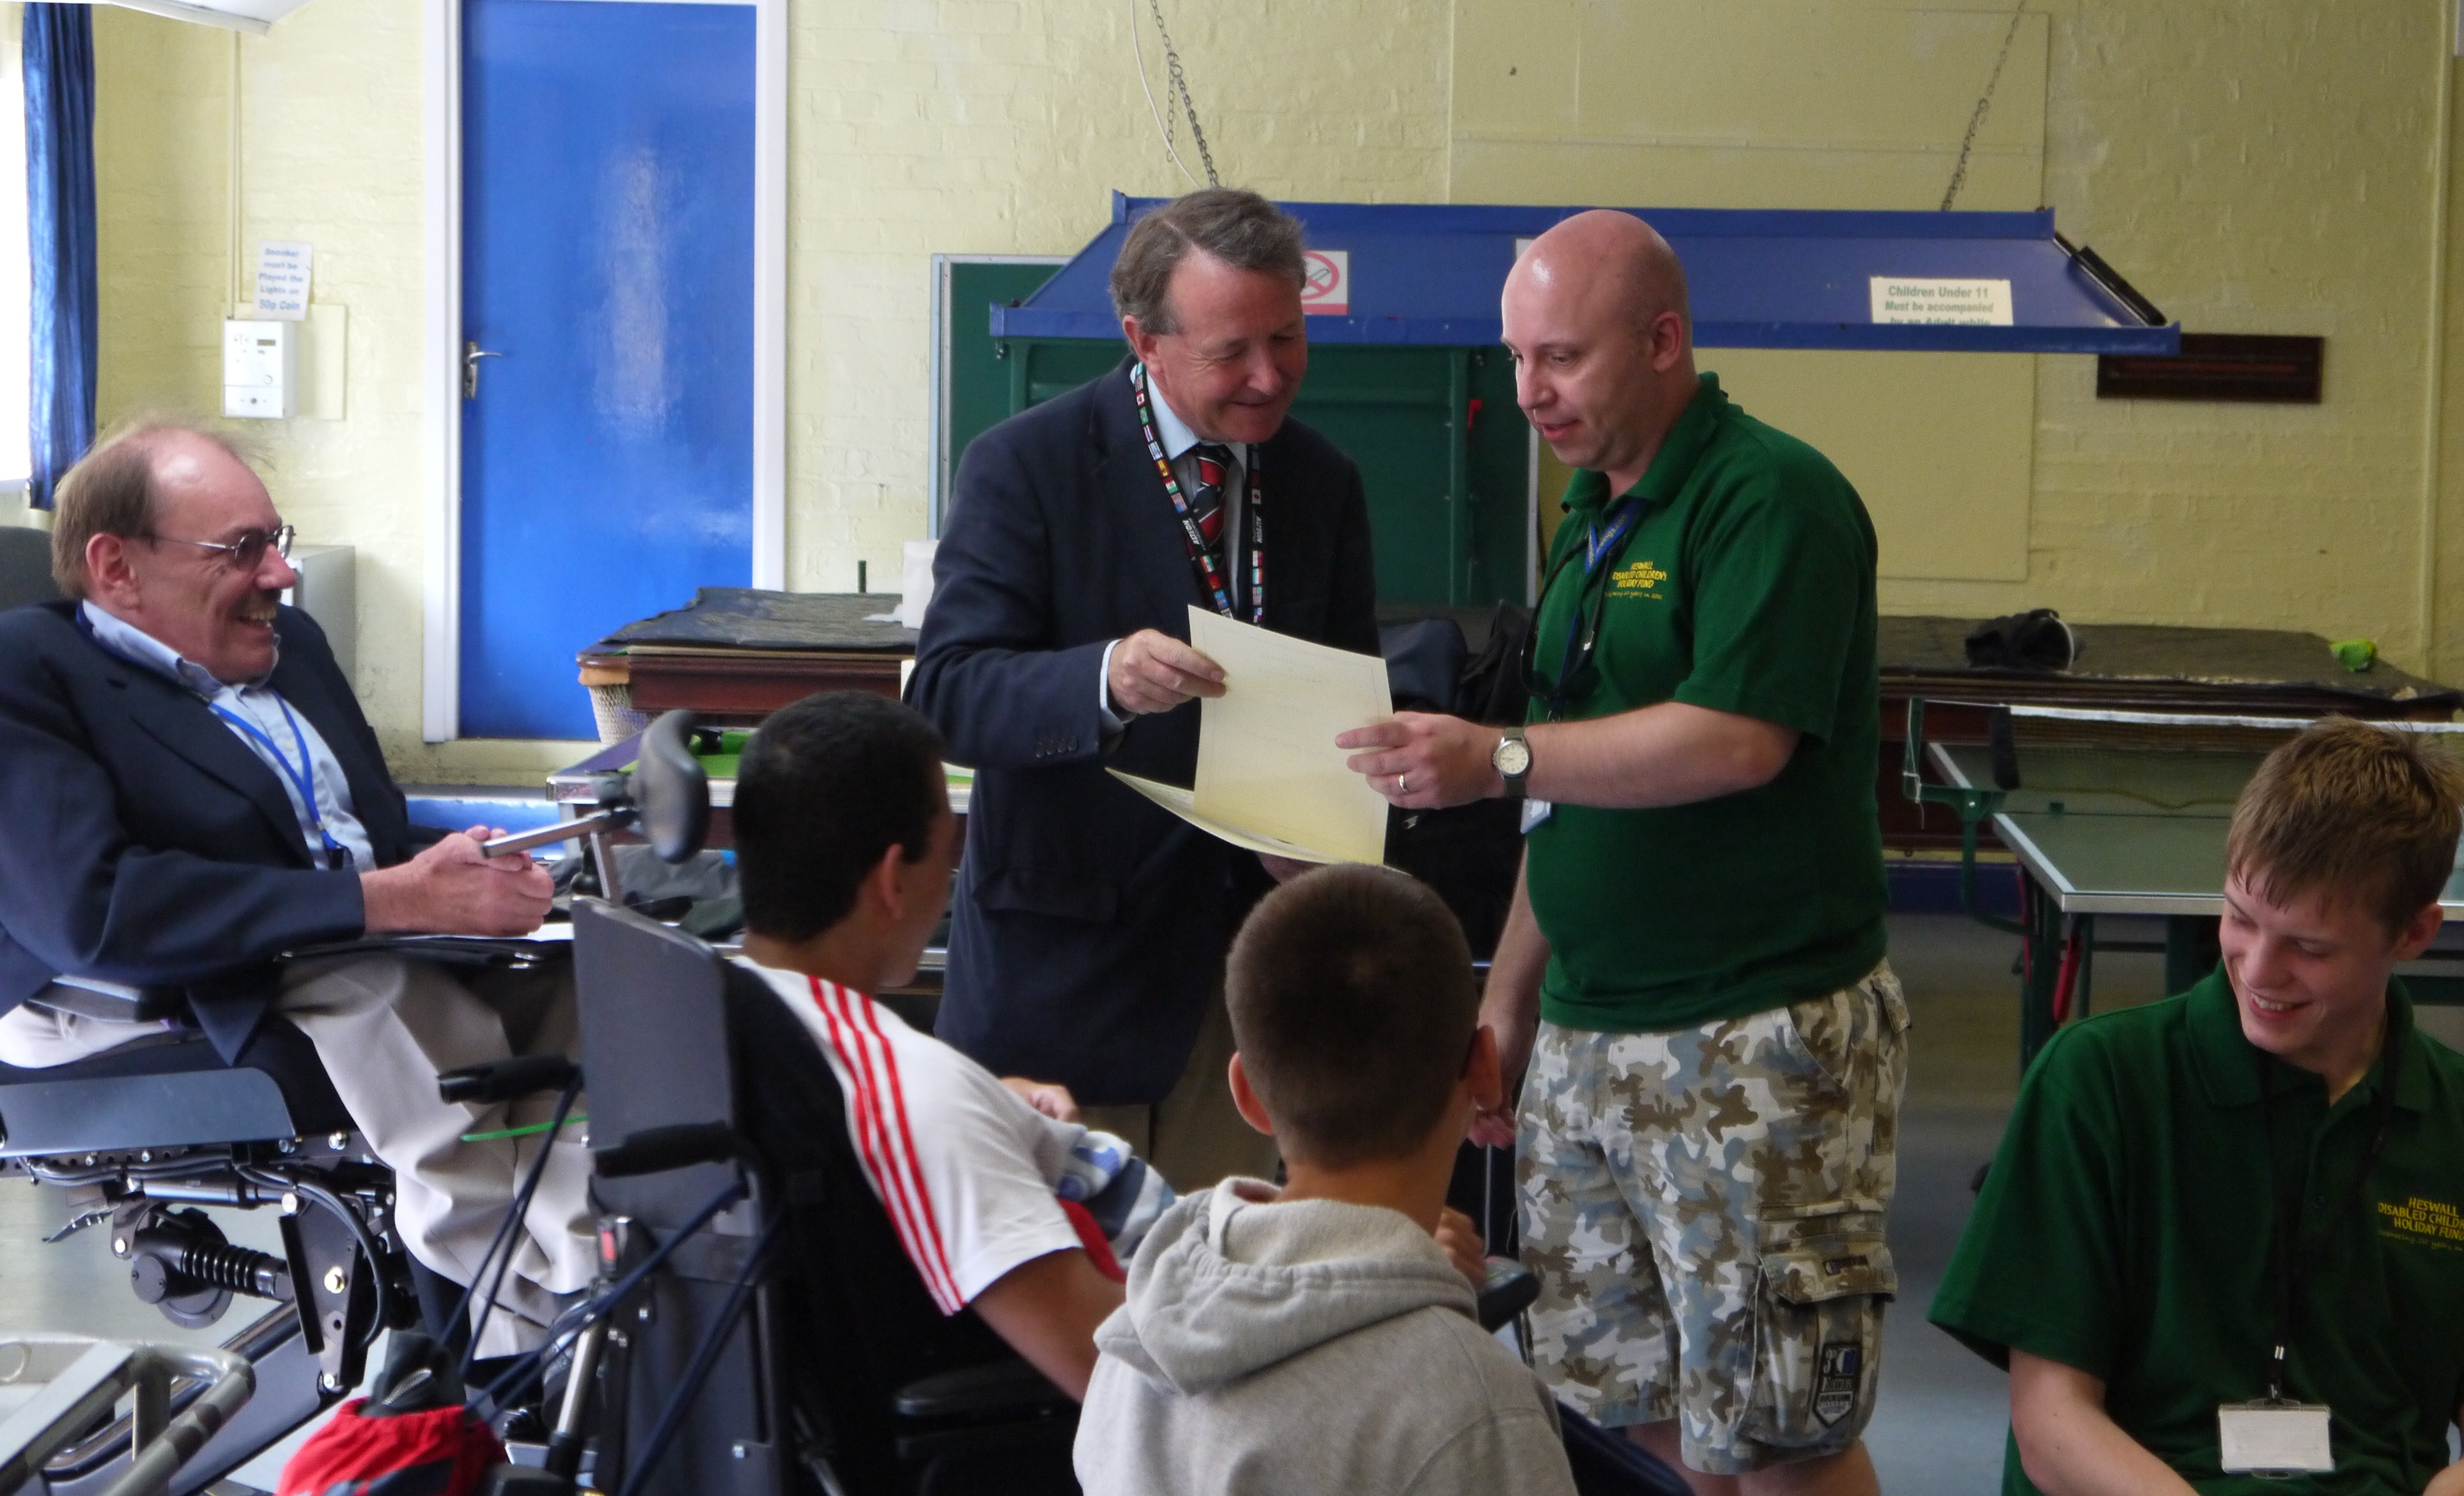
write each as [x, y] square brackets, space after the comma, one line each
[25, 566]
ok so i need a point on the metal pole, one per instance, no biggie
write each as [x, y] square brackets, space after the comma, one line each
[1457, 473]
[564, 1447]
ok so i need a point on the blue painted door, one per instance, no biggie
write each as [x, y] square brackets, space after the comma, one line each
[607, 260]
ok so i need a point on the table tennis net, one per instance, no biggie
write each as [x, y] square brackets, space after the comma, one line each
[2050, 729]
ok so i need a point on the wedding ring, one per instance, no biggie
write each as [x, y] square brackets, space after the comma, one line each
[1402, 785]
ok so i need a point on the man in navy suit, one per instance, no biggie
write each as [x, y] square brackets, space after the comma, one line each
[1088, 932]
[188, 791]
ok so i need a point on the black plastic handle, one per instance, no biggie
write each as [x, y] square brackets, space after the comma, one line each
[1510, 1289]
[659, 1148]
[506, 1080]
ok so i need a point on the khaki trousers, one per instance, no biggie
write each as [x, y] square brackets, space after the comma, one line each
[1195, 1137]
[385, 1028]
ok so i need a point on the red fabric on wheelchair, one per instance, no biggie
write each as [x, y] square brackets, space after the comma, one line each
[441, 1452]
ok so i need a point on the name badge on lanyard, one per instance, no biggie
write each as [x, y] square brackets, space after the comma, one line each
[2273, 1439]
[2277, 1435]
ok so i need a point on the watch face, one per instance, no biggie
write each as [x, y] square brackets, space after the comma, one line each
[1513, 756]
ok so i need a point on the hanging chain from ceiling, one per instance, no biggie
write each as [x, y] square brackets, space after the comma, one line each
[1179, 83]
[1984, 103]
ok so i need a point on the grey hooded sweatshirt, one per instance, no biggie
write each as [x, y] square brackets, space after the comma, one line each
[1315, 1346]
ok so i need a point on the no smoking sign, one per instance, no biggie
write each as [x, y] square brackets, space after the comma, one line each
[1328, 291]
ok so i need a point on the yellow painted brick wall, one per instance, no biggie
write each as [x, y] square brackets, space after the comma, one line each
[329, 131]
[2259, 168]
[162, 94]
[2253, 165]
[995, 126]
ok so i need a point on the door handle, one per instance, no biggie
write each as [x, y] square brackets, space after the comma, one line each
[472, 354]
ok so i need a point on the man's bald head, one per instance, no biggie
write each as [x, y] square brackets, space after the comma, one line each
[1596, 317]
[1619, 264]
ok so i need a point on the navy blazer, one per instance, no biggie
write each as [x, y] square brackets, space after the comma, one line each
[1090, 925]
[141, 842]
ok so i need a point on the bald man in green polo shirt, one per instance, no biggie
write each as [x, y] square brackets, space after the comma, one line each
[2274, 1159]
[1691, 982]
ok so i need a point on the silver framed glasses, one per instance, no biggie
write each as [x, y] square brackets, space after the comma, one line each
[247, 552]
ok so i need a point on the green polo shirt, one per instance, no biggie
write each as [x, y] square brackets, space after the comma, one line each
[2124, 1229]
[1746, 586]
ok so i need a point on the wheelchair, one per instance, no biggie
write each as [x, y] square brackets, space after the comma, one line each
[711, 1371]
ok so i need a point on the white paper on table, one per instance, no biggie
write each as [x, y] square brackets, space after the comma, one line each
[1267, 766]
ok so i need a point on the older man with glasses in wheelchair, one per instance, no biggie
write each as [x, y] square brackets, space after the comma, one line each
[188, 791]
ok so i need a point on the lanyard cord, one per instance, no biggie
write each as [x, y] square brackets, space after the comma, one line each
[2288, 1262]
[1598, 546]
[302, 778]
[1200, 553]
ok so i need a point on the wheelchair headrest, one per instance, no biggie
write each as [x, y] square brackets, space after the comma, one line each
[671, 789]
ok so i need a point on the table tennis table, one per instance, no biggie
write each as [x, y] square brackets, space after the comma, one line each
[2115, 814]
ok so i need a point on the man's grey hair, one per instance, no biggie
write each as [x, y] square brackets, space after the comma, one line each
[110, 490]
[1233, 225]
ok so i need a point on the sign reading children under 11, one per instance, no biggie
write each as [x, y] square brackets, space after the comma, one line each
[1940, 302]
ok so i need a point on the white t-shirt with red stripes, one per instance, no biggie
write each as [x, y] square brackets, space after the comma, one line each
[966, 1169]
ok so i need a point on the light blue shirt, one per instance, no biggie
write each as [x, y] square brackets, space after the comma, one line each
[260, 704]
[1177, 439]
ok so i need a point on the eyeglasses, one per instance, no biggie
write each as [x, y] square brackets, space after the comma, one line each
[245, 553]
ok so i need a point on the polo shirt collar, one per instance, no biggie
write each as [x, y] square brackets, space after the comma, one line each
[142, 650]
[2222, 1056]
[1673, 465]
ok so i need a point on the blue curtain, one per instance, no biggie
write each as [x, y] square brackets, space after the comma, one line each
[60, 223]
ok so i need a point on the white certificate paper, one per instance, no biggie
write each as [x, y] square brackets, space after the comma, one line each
[1269, 776]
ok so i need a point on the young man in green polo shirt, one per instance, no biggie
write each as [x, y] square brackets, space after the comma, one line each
[2272, 1159]
[1691, 983]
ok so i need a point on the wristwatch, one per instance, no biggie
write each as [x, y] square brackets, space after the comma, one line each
[1511, 758]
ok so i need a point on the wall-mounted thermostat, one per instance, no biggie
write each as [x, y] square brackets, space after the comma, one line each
[260, 370]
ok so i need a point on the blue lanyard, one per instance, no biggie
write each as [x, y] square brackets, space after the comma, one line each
[1598, 545]
[302, 778]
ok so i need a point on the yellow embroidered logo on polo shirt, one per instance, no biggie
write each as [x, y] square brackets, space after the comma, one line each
[1639, 578]
[2428, 1222]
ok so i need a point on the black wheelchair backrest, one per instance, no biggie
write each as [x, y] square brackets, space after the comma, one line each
[654, 1050]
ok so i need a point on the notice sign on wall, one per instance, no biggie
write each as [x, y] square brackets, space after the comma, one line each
[1328, 291]
[282, 279]
[1956, 303]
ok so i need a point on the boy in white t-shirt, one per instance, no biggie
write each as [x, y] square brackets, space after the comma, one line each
[1001, 1199]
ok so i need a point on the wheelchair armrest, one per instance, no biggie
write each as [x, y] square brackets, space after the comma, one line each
[91, 997]
[1000, 1390]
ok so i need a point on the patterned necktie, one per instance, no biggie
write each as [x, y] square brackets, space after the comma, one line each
[1206, 496]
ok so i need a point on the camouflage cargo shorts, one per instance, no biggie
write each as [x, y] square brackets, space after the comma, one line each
[1704, 1210]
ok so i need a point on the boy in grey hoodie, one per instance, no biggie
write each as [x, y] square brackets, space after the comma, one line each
[1318, 1338]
